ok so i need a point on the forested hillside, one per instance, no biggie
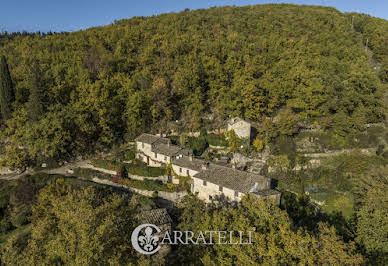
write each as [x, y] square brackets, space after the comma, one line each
[86, 90]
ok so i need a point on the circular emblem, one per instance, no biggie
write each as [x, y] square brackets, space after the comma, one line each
[144, 241]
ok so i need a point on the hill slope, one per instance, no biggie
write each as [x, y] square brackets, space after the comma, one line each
[110, 83]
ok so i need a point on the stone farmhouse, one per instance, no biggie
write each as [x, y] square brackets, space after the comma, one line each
[242, 128]
[209, 180]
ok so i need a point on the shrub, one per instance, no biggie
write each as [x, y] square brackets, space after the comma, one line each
[129, 155]
[284, 145]
[106, 164]
[142, 169]
[20, 219]
[380, 149]
[198, 145]
[258, 144]
[148, 184]
[5, 226]
[90, 173]
[234, 142]
[136, 168]
[4, 199]
[216, 140]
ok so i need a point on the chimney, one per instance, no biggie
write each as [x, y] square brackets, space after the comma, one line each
[191, 156]
[168, 143]
[205, 166]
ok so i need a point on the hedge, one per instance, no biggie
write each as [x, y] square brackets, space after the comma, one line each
[216, 140]
[136, 168]
[142, 169]
[148, 184]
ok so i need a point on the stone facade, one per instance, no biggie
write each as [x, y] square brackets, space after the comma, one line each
[208, 180]
[241, 127]
[207, 191]
[183, 171]
[157, 151]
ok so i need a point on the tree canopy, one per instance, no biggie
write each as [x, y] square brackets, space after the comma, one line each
[198, 67]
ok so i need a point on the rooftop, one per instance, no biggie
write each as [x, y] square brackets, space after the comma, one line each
[230, 178]
[154, 216]
[147, 138]
[165, 149]
[185, 162]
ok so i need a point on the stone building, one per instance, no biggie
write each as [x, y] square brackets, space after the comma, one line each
[242, 128]
[209, 180]
[162, 220]
[216, 180]
[158, 217]
[157, 151]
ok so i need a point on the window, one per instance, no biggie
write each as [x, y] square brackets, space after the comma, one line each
[156, 156]
[180, 170]
[220, 189]
[236, 194]
[210, 197]
[165, 158]
[187, 172]
[204, 183]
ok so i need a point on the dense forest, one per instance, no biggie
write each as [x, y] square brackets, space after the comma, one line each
[51, 220]
[282, 67]
[73, 93]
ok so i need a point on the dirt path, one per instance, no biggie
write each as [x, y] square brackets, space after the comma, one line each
[63, 170]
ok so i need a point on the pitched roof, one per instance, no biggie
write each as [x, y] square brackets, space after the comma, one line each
[162, 141]
[165, 149]
[230, 178]
[185, 162]
[155, 216]
[186, 151]
[147, 138]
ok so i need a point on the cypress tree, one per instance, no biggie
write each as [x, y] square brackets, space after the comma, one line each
[7, 95]
[35, 105]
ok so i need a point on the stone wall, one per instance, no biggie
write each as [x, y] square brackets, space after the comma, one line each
[171, 196]
[212, 190]
[163, 178]
[182, 171]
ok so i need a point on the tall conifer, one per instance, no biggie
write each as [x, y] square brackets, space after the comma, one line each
[7, 95]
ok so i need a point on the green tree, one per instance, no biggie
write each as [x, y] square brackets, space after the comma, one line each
[37, 97]
[7, 95]
[372, 213]
[76, 227]
[258, 143]
[234, 142]
[274, 240]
